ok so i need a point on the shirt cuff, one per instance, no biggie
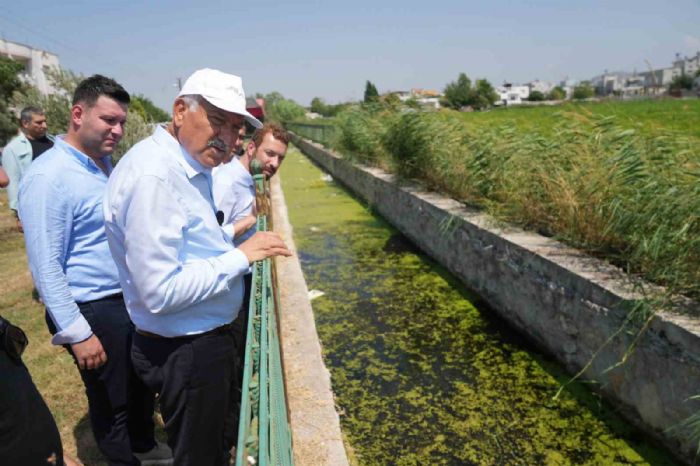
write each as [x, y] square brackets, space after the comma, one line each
[235, 263]
[229, 230]
[76, 332]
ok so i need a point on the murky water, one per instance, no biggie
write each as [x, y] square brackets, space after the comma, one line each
[423, 373]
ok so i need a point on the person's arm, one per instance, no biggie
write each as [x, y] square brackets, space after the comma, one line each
[11, 166]
[47, 216]
[4, 180]
[244, 224]
[153, 240]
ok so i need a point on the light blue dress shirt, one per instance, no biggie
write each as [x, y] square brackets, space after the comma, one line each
[60, 204]
[179, 271]
[234, 196]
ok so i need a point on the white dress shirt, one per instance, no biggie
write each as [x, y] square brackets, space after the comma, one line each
[234, 195]
[180, 274]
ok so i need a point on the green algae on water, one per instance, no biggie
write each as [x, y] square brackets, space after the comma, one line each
[421, 375]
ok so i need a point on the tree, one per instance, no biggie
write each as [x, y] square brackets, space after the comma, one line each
[684, 81]
[558, 93]
[371, 93]
[484, 95]
[151, 112]
[318, 106]
[458, 94]
[583, 91]
[9, 84]
[280, 109]
[536, 96]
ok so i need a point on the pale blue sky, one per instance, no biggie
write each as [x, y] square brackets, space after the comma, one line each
[328, 49]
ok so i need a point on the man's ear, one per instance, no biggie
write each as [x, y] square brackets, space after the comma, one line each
[250, 150]
[77, 112]
[179, 110]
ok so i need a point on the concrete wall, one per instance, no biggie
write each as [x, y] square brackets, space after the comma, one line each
[569, 304]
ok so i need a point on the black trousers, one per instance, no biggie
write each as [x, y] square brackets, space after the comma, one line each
[196, 379]
[28, 432]
[121, 406]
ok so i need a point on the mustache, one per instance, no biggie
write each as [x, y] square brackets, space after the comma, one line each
[218, 144]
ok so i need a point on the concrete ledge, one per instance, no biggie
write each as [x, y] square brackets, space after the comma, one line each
[316, 436]
[566, 302]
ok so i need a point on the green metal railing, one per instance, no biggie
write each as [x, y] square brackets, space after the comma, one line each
[264, 435]
[323, 133]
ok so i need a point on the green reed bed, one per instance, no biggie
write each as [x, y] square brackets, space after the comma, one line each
[627, 195]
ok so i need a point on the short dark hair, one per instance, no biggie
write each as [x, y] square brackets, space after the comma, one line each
[25, 115]
[90, 89]
[277, 131]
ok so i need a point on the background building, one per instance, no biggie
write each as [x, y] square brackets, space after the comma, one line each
[35, 61]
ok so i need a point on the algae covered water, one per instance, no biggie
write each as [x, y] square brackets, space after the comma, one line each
[423, 373]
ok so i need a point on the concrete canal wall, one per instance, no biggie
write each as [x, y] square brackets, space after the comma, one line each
[316, 435]
[569, 304]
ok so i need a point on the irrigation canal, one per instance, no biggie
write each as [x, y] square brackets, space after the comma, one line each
[423, 373]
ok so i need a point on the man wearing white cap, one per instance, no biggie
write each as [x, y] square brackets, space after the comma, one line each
[180, 273]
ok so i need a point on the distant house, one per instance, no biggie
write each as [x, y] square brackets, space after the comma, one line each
[686, 65]
[540, 86]
[427, 98]
[610, 83]
[510, 94]
[35, 61]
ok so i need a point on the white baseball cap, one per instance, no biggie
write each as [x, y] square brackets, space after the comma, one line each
[222, 90]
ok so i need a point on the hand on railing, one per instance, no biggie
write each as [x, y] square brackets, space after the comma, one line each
[262, 245]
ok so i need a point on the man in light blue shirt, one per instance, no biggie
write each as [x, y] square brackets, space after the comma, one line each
[181, 275]
[18, 154]
[60, 204]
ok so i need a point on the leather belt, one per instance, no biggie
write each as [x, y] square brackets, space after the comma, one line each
[226, 328]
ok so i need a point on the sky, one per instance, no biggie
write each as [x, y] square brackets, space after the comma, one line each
[329, 49]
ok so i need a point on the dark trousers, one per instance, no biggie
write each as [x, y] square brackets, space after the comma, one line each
[28, 432]
[121, 406]
[195, 377]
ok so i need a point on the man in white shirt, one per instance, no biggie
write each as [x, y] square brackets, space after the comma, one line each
[180, 273]
[234, 189]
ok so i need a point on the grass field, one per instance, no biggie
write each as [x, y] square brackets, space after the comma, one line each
[647, 116]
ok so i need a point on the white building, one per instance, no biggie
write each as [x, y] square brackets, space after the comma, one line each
[35, 62]
[686, 65]
[540, 86]
[509, 94]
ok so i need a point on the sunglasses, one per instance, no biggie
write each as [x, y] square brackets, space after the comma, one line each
[13, 339]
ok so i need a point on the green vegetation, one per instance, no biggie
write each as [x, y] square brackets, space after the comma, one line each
[583, 91]
[371, 93]
[421, 375]
[623, 188]
[461, 93]
[9, 84]
[536, 96]
[278, 108]
[558, 93]
[327, 110]
[683, 81]
[148, 110]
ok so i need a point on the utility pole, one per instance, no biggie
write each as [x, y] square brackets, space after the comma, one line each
[179, 84]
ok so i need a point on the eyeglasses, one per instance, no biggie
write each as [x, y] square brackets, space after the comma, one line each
[13, 339]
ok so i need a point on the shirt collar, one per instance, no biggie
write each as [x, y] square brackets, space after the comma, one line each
[188, 163]
[83, 159]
